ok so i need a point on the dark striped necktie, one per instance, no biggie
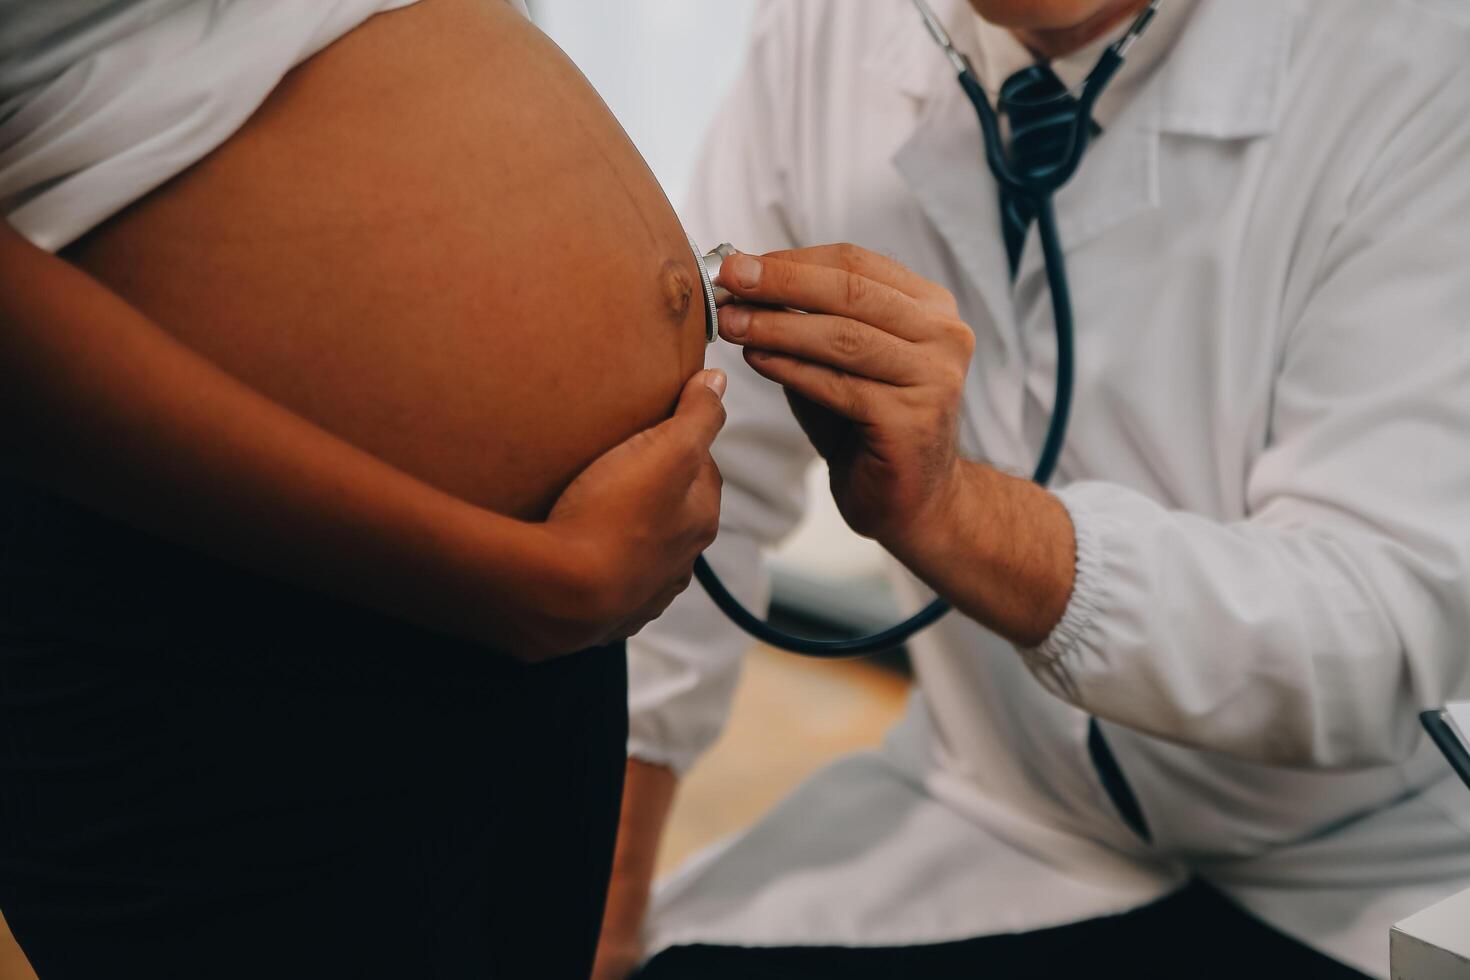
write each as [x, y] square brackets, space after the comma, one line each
[1041, 112]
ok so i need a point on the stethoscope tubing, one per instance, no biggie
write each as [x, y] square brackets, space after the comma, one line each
[1040, 189]
[1056, 437]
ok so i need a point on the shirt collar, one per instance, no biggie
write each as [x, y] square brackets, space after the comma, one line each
[1221, 63]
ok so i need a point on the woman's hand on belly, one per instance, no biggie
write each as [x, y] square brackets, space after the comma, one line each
[630, 526]
[434, 243]
[104, 407]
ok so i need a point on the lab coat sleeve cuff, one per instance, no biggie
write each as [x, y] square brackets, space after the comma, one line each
[1079, 628]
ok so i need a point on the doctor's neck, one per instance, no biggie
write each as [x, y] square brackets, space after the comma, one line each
[1052, 29]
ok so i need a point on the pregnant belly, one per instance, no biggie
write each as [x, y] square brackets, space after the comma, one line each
[436, 242]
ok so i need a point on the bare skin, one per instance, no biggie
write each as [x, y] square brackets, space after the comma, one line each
[344, 350]
[1001, 548]
[105, 407]
[1052, 29]
[874, 367]
[383, 250]
[347, 349]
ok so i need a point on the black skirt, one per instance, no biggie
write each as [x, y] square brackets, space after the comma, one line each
[207, 774]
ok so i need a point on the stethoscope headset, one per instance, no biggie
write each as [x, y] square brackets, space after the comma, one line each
[1040, 189]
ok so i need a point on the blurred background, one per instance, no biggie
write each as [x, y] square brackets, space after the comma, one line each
[663, 67]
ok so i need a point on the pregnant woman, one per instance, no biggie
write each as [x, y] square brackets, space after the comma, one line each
[355, 421]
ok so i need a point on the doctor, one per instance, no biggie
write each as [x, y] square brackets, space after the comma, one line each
[1172, 728]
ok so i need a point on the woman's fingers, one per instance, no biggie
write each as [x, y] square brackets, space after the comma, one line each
[683, 440]
[641, 513]
[654, 608]
[700, 414]
[770, 281]
[850, 345]
[703, 504]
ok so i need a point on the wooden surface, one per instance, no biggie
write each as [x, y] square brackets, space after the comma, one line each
[791, 717]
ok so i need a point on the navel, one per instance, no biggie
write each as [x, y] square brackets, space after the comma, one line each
[679, 287]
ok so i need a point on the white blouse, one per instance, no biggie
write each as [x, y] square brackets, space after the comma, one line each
[101, 102]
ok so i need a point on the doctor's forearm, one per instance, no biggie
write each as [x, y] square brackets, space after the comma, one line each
[1002, 549]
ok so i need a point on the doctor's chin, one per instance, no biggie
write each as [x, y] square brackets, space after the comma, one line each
[548, 490]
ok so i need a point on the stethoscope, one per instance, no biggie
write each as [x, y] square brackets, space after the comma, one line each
[1039, 188]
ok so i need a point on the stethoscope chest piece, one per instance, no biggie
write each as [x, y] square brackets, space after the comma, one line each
[714, 297]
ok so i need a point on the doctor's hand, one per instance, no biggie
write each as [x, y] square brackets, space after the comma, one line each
[874, 368]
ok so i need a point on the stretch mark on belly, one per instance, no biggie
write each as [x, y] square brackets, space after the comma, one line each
[678, 289]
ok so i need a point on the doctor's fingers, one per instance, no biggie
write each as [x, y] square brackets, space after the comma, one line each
[874, 266]
[856, 399]
[823, 289]
[855, 347]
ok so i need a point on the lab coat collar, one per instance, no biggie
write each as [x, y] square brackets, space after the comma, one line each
[1227, 74]
[907, 57]
[1224, 79]
[943, 167]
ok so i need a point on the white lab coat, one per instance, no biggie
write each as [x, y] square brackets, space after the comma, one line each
[1268, 470]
